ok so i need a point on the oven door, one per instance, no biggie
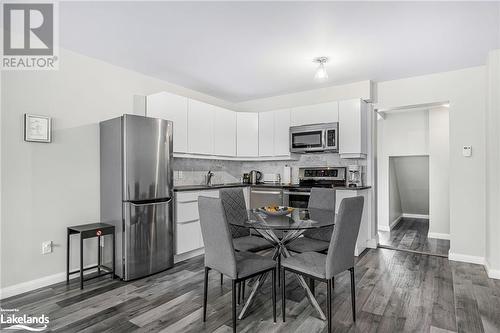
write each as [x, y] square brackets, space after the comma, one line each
[307, 140]
[296, 199]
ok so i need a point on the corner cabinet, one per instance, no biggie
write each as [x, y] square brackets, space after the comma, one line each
[171, 107]
[247, 129]
[353, 117]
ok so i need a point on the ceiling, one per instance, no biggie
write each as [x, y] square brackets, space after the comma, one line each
[239, 51]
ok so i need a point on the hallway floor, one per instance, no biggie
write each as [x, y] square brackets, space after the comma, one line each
[412, 234]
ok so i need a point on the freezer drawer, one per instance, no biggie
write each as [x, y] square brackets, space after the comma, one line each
[148, 238]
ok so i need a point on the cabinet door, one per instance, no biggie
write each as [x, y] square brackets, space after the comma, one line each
[266, 134]
[247, 134]
[200, 127]
[352, 128]
[171, 107]
[224, 132]
[315, 114]
[188, 237]
[281, 132]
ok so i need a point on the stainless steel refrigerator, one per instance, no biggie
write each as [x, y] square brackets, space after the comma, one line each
[137, 192]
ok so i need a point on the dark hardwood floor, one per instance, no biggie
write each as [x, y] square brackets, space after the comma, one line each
[412, 234]
[396, 292]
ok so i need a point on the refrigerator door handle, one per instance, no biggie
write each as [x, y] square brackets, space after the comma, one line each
[149, 203]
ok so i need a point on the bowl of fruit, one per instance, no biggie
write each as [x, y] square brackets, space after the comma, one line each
[276, 210]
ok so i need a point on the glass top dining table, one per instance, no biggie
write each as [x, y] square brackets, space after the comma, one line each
[281, 231]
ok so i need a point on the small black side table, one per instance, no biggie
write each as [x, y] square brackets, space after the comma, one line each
[89, 231]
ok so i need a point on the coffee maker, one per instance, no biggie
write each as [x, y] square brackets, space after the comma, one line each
[354, 176]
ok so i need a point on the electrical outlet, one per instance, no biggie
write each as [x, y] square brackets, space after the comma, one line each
[46, 247]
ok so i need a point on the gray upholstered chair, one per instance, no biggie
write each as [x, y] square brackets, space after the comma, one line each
[340, 256]
[235, 209]
[316, 240]
[221, 256]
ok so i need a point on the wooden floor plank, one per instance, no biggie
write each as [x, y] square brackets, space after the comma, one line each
[395, 292]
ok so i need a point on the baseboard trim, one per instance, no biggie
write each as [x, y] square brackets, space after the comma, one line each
[372, 243]
[416, 216]
[438, 235]
[395, 222]
[492, 273]
[45, 281]
[466, 258]
[188, 255]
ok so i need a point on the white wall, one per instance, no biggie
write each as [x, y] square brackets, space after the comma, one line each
[362, 89]
[465, 91]
[399, 134]
[493, 165]
[439, 173]
[412, 173]
[47, 187]
[395, 210]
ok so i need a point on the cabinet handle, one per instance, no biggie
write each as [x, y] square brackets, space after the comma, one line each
[186, 222]
[266, 192]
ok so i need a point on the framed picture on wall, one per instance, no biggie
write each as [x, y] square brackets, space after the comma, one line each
[37, 128]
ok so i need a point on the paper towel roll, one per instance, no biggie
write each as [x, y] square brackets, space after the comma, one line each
[287, 175]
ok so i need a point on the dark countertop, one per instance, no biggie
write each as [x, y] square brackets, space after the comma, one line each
[219, 186]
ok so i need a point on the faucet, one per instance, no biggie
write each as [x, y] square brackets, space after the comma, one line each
[209, 176]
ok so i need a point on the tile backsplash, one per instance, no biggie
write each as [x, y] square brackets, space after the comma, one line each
[189, 171]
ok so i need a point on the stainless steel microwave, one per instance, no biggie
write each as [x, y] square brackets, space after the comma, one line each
[314, 138]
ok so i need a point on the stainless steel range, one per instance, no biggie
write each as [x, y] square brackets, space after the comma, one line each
[326, 177]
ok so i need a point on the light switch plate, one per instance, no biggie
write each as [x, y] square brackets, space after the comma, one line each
[467, 151]
[47, 247]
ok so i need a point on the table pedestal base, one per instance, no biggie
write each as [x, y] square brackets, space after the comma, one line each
[280, 250]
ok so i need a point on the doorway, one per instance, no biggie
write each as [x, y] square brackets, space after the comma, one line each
[413, 180]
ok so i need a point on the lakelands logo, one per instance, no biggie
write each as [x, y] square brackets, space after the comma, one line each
[30, 36]
[10, 319]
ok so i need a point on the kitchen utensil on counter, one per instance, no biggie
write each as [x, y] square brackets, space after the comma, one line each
[354, 176]
[255, 176]
[287, 175]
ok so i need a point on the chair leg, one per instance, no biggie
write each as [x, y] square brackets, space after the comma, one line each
[274, 295]
[311, 285]
[239, 292]
[243, 291]
[329, 304]
[234, 305]
[205, 292]
[283, 291]
[353, 294]
[221, 279]
[279, 267]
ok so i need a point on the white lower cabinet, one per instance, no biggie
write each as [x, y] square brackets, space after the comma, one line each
[364, 229]
[187, 220]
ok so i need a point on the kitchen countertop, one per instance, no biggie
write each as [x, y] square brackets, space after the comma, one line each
[201, 187]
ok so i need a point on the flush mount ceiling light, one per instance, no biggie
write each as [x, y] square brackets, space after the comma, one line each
[321, 74]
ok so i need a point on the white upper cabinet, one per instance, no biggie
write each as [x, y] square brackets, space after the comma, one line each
[281, 132]
[352, 128]
[266, 133]
[171, 107]
[200, 127]
[247, 130]
[224, 132]
[315, 114]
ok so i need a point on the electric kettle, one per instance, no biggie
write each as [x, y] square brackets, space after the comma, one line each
[255, 176]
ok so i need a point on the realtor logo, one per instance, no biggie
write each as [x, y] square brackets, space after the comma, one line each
[29, 36]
